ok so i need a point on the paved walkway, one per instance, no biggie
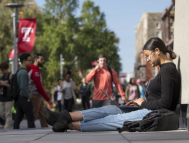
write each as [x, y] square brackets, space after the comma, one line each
[46, 135]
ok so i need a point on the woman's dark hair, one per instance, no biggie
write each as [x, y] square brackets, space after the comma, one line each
[130, 82]
[69, 73]
[24, 57]
[156, 42]
[4, 66]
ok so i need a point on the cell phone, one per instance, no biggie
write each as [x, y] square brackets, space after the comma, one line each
[97, 61]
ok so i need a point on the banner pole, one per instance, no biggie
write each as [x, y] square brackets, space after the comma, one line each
[15, 47]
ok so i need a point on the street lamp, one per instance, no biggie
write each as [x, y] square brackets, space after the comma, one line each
[14, 6]
[61, 66]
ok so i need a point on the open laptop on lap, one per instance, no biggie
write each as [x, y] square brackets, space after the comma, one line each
[123, 108]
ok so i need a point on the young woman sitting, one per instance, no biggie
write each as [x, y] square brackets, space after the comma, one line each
[162, 93]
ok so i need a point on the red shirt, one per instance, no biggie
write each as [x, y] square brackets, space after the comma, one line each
[102, 80]
[37, 80]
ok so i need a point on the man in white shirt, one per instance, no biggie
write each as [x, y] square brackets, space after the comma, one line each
[58, 96]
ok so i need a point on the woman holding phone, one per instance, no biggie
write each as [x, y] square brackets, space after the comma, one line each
[162, 93]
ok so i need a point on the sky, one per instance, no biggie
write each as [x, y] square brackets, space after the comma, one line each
[122, 17]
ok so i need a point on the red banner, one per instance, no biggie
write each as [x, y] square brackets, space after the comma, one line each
[11, 54]
[94, 63]
[27, 29]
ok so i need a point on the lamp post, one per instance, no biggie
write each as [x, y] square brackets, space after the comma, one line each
[61, 66]
[14, 6]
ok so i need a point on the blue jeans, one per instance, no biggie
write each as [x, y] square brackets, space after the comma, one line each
[108, 118]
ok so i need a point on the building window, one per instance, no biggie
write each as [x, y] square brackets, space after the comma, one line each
[158, 34]
[154, 71]
[157, 25]
[142, 74]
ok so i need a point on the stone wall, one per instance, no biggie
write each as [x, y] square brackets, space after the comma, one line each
[181, 45]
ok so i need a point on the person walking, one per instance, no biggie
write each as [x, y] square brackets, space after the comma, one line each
[6, 102]
[68, 88]
[59, 96]
[103, 77]
[85, 92]
[37, 91]
[141, 88]
[23, 103]
[132, 91]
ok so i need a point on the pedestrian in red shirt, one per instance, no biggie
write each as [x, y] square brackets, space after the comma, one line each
[37, 91]
[103, 80]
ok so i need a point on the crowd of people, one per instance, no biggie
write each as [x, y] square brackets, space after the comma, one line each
[161, 92]
[30, 101]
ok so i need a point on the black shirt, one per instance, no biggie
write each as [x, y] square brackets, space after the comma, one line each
[164, 90]
[4, 97]
[84, 90]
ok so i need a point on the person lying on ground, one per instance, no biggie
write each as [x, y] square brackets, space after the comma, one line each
[162, 93]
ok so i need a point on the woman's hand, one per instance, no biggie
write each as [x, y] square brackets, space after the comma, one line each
[124, 99]
[130, 103]
[139, 101]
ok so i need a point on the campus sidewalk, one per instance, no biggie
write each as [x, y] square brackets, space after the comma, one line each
[46, 135]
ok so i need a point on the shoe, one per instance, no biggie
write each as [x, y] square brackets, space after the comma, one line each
[51, 117]
[59, 127]
[63, 121]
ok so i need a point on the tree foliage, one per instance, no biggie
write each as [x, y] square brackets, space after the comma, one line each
[94, 38]
[59, 31]
[6, 30]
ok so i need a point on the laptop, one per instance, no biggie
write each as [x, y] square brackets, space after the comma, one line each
[125, 109]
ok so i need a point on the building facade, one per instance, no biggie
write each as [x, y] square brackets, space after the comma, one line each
[148, 27]
[168, 18]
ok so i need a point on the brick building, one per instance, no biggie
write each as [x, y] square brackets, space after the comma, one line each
[148, 27]
[167, 18]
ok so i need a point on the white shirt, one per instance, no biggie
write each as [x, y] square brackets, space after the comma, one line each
[59, 94]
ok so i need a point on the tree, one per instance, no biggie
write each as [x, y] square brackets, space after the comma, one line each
[59, 28]
[94, 38]
[6, 30]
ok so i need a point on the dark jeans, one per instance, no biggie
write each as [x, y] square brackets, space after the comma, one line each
[23, 107]
[85, 101]
[60, 106]
[68, 104]
[2, 122]
[100, 103]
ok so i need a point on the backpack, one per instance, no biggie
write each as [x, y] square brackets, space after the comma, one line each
[157, 120]
[110, 70]
[13, 90]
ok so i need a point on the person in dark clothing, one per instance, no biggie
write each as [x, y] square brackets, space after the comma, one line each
[23, 103]
[85, 94]
[162, 92]
[6, 102]
[2, 123]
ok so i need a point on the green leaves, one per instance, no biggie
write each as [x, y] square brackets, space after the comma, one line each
[79, 39]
